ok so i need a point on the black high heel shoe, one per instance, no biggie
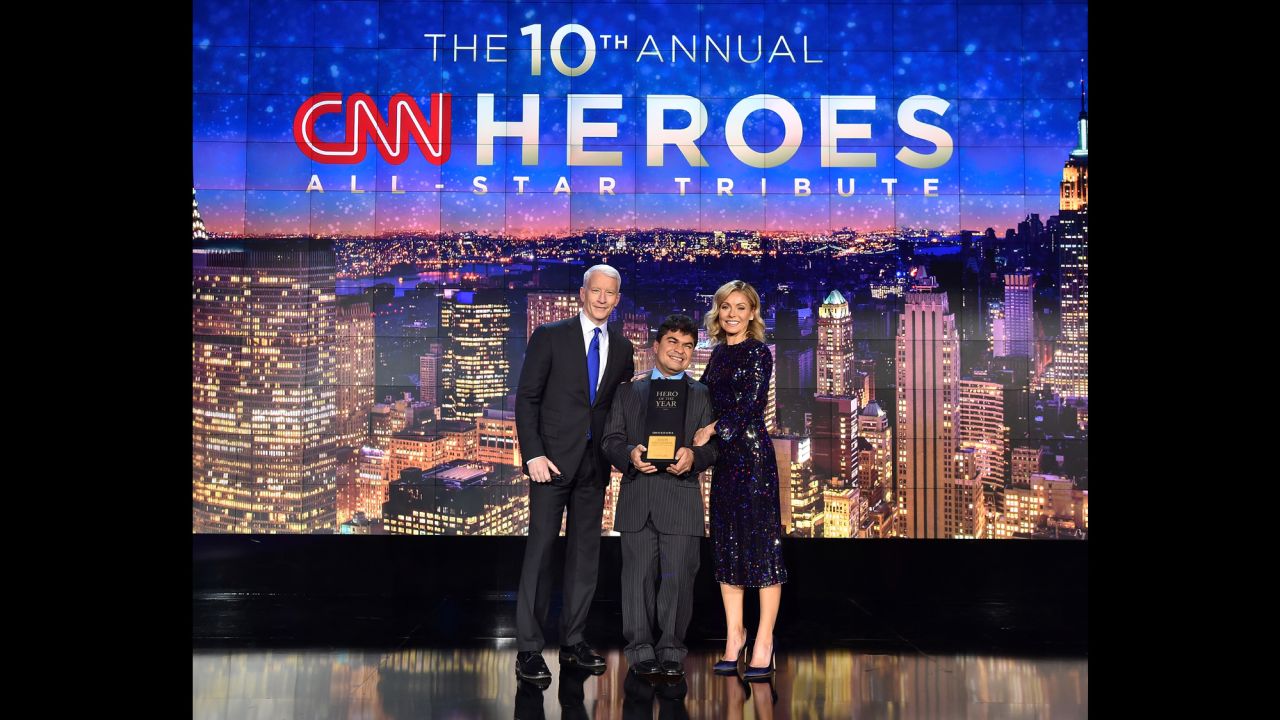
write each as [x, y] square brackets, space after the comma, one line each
[758, 674]
[730, 667]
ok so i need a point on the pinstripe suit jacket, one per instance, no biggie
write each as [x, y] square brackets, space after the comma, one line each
[674, 503]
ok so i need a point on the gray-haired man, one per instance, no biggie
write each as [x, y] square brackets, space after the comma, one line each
[571, 370]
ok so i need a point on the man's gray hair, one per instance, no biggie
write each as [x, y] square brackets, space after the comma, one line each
[604, 270]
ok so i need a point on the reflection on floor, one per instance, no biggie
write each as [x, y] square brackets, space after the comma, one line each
[481, 683]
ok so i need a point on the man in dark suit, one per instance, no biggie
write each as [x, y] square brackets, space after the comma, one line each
[571, 370]
[659, 514]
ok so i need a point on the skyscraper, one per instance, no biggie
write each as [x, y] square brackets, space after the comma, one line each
[346, 487]
[355, 359]
[1069, 375]
[982, 429]
[635, 327]
[1018, 291]
[997, 335]
[877, 505]
[429, 373]
[875, 466]
[1074, 191]
[835, 440]
[835, 407]
[835, 347]
[965, 516]
[798, 488]
[865, 372]
[264, 387]
[928, 417]
[475, 368]
[795, 386]
[542, 308]
[1070, 372]
[197, 223]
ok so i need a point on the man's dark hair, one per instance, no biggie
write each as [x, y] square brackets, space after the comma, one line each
[682, 324]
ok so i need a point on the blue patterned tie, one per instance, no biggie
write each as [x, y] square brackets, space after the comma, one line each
[593, 363]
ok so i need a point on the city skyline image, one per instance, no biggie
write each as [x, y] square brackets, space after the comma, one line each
[389, 197]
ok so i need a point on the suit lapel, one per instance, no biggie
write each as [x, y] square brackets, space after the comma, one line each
[641, 398]
[573, 340]
[612, 364]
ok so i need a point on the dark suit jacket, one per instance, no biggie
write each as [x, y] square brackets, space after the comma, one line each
[675, 503]
[553, 408]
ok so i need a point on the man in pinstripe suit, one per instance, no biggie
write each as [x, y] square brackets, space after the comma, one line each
[659, 514]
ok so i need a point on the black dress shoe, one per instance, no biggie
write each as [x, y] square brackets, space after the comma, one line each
[671, 698]
[637, 699]
[581, 655]
[647, 669]
[529, 701]
[571, 694]
[530, 666]
[672, 669]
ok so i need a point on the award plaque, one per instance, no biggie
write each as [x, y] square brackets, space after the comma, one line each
[664, 421]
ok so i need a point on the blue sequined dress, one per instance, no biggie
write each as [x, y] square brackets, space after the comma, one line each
[746, 522]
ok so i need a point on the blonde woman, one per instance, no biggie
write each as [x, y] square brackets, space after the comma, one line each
[746, 523]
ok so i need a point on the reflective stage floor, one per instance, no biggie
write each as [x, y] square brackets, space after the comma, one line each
[480, 682]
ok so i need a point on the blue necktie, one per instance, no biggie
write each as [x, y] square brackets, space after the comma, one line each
[593, 364]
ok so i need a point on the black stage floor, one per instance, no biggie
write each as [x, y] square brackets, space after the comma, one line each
[373, 628]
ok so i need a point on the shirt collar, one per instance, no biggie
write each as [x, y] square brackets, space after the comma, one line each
[588, 326]
[657, 375]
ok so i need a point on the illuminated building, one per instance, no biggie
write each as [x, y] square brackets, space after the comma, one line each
[928, 417]
[264, 387]
[475, 368]
[459, 498]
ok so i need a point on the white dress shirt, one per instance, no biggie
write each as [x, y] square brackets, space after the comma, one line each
[588, 328]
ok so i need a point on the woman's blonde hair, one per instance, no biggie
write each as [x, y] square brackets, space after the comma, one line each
[755, 328]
